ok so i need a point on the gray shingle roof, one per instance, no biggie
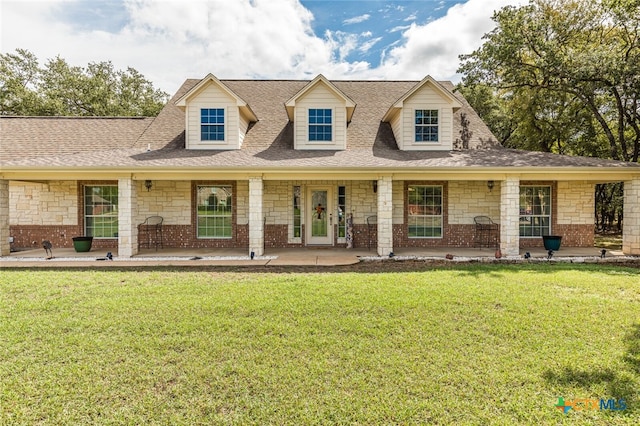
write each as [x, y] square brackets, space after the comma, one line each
[123, 142]
[26, 138]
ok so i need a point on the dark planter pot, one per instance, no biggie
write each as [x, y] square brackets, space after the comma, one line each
[552, 242]
[82, 244]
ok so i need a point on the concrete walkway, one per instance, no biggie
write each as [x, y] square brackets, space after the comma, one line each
[67, 257]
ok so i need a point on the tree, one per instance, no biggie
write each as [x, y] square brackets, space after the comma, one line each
[563, 76]
[61, 89]
[567, 58]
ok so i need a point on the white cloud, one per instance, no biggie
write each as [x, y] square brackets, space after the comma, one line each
[399, 28]
[434, 48]
[171, 40]
[367, 45]
[411, 17]
[356, 19]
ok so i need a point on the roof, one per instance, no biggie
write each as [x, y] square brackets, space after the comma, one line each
[41, 143]
[291, 103]
[23, 139]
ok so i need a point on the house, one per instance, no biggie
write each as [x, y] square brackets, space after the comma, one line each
[259, 164]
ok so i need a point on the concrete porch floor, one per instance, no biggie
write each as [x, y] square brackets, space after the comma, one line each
[66, 257]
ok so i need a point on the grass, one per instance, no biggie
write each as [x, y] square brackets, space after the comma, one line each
[484, 344]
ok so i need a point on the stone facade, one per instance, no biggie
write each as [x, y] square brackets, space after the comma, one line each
[5, 246]
[385, 215]
[127, 207]
[631, 229]
[510, 217]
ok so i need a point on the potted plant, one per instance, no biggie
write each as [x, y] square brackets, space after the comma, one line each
[552, 242]
[82, 244]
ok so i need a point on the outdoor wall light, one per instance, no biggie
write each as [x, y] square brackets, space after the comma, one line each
[490, 185]
[148, 184]
[375, 185]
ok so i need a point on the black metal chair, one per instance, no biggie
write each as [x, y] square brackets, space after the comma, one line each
[151, 228]
[486, 232]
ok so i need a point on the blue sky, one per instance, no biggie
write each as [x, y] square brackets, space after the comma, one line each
[171, 40]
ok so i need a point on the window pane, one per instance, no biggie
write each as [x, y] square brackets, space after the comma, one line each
[297, 218]
[426, 129]
[535, 211]
[212, 124]
[320, 124]
[215, 211]
[424, 218]
[101, 211]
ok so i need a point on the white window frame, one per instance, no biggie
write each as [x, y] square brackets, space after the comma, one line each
[528, 217]
[440, 215]
[437, 125]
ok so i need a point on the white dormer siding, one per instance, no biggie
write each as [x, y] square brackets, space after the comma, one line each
[211, 98]
[320, 97]
[433, 100]
[211, 94]
[324, 99]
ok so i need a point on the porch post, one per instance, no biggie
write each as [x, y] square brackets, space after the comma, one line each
[5, 247]
[256, 221]
[631, 225]
[385, 215]
[510, 217]
[127, 208]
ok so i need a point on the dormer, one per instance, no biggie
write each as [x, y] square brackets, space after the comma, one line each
[320, 113]
[215, 117]
[422, 119]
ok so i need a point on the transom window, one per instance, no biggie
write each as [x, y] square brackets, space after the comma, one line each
[320, 125]
[215, 211]
[424, 216]
[101, 211]
[426, 125]
[212, 124]
[535, 211]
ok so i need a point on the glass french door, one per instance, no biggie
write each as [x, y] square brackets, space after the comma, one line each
[319, 216]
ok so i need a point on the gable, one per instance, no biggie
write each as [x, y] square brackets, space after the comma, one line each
[422, 119]
[215, 117]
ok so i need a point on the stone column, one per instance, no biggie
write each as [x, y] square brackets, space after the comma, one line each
[127, 209]
[510, 217]
[5, 247]
[256, 218]
[631, 224]
[385, 215]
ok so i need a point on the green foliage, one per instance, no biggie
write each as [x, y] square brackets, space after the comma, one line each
[479, 344]
[59, 89]
[563, 74]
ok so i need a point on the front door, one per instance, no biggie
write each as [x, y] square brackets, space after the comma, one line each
[319, 216]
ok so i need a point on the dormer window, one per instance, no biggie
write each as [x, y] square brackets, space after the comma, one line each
[320, 125]
[426, 125]
[212, 124]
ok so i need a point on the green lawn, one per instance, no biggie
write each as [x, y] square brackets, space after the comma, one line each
[483, 344]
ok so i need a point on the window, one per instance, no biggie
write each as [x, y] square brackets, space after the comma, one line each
[535, 211]
[426, 125]
[297, 218]
[342, 208]
[320, 128]
[424, 212]
[212, 124]
[214, 211]
[101, 211]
